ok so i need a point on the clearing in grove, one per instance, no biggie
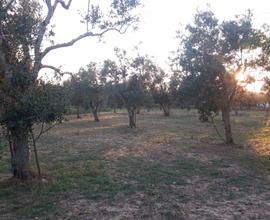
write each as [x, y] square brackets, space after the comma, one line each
[168, 168]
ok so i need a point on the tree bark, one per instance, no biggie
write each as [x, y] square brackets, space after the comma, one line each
[166, 110]
[21, 155]
[227, 124]
[132, 117]
[78, 112]
[222, 115]
[95, 114]
[267, 113]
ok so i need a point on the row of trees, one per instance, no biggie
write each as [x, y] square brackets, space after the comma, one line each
[210, 57]
[142, 84]
[127, 82]
[211, 53]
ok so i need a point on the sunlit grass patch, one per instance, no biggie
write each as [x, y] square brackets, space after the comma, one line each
[260, 141]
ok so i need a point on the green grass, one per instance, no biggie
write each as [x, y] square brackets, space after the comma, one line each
[167, 168]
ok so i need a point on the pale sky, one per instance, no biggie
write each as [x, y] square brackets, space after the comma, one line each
[156, 34]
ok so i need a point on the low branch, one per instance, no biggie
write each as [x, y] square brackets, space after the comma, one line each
[43, 130]
[216, 129]
[50, 67]
[57, 70]
[80, 37]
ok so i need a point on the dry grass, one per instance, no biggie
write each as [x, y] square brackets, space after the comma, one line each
[167, 168]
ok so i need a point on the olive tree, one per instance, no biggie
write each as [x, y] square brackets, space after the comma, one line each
[74, 92]
[128, 78]
[212, 54]
[93, 85]
[24, 31]
[162, 91]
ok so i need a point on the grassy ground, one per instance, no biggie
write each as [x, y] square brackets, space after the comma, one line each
[167, 168]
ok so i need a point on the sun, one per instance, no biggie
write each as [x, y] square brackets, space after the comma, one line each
[253, 82]
[241, 77]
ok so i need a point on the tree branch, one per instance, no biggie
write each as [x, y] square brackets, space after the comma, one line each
[80, 37]
[63, 4]
[44, 130]
[57, 70]
[43, 28]
[50, 67]
[41, 33]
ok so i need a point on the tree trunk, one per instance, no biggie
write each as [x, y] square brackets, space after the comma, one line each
[21, 155]
[166, 110]
[132, 117]
[236, 112]
[222, 115]
[227, 124]
[267, 113]
[95, 114]
[78, 112]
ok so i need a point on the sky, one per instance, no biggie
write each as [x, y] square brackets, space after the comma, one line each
[156, 34]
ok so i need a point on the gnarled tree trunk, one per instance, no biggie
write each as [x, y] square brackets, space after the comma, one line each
[132, 117]
[95, 106]
[166, 109]
[227, 124]
[21, 154]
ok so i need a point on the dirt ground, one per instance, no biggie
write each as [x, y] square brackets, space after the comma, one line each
[167, 168]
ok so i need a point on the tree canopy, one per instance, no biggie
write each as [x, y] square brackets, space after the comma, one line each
[213, 54]
[23, 31]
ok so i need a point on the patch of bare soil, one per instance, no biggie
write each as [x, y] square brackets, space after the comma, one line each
[249, 207]
[85, 209]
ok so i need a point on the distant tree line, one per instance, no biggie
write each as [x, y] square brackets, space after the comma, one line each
[130, 83]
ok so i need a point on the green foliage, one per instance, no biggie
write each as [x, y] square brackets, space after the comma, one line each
[24, 26]
[132, 92]
[45, 103]
[23, 99]
[210, 60]
[162, 97]
[129, 80]
[53, 97]
[86, 88]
